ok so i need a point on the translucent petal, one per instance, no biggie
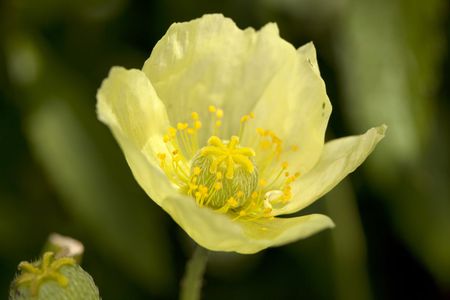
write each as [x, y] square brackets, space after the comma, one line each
[339, 158]
[211, 61]
[280, 231]
[219, 232]
[309, 51]
[296, 108]
[128, 104]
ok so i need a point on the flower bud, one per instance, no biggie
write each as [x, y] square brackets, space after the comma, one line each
[53, 278]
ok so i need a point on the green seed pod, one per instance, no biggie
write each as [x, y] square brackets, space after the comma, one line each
[53, 278]
[224, 174]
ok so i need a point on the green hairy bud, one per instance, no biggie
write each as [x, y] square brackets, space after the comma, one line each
[53, 278]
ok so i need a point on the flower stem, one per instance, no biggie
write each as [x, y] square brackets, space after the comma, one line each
[191, 283]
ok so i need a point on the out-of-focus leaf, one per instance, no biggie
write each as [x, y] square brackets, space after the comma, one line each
[389, 73]
[23, 61]
[390, 53]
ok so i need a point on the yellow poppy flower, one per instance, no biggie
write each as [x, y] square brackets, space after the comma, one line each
[224, 129]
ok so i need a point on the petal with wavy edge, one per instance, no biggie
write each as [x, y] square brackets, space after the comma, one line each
[339, 158]
[128, 104]
[295, 106]
[211, 61]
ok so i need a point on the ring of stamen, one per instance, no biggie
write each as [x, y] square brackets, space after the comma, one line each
[223, 174]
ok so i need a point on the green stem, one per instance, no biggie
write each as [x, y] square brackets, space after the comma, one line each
[191, 283]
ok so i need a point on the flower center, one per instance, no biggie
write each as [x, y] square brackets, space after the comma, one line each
[247, 182]
[216, 159]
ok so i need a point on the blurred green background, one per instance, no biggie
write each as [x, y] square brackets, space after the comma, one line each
[383, 61]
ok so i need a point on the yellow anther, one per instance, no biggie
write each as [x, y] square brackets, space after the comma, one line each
[294, 148]
[196, 170]
[287, 193]
[292, 178]
[261, 131]
[192, 188]
[244, 118]
[275, 139]
[203, 189]
[195, 116]
[190, 131]
[172, 131]
[166, 138]
[240, 194]
[254, 195]
[218, 123]
[284, 165]
[182, 126]
[232, 202]
[197, 124]
[218, 185]
[252, 115]
[201, 193]
[219, 113]
[286, 174]
[212, 108]
[262, 182]
[162, 156]
[219, 175]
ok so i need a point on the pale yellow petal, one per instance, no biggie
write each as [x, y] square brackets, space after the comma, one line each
[128, 104]
[219, 232]
[280, 231]
[295, 106]
[309, 51]
[211, 61]
[339, 158]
